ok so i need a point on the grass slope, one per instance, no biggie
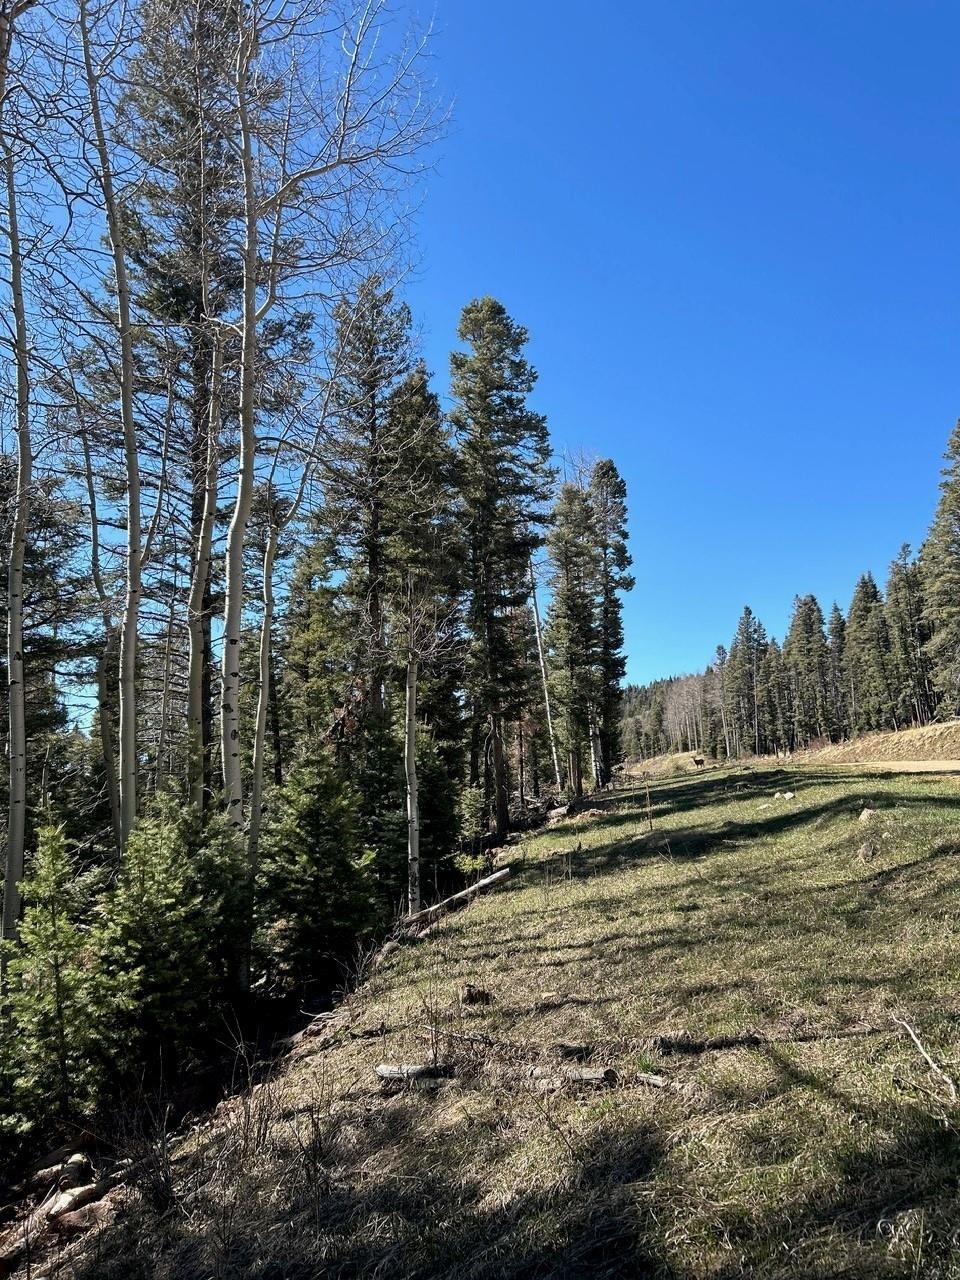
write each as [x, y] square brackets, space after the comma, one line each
[744, 949]
[931, 742]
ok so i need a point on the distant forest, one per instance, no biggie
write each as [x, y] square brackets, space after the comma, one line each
[890, 662]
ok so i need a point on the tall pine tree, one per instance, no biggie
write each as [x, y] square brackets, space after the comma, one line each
[505, 478]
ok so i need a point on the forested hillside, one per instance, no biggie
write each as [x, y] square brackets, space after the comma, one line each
[276, 664]
[892, 661]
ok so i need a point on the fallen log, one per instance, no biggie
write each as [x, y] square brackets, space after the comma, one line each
[46, 1218]
[76, 1197]
[417, 1075]
[63, 1174]
[429, 914]
[411, 1071]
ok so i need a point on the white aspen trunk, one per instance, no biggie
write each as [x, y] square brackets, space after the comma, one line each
[198, 586]
[107, 745]
[236, 536]
[543, 675]
[164, 736]
[16, 819]
[410, 765]
[263, 703]
[129, 622]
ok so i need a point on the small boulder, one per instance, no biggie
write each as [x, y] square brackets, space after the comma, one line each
[867, 815]
[788, 795]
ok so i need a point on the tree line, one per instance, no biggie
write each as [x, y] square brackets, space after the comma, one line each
[276, 663]
[892, 661]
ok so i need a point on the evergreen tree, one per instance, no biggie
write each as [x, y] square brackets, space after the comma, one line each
[837, 683]
[51, 994]
[424, 552]
[909, 635]
[607, 496]
[505, 478]
[777, 713]
[743, 683]
[316, 896]
[807, 662]
[170, 929]
[373, 355]
[940, 571]
[187, 274]
[867, 659]
[573, 631]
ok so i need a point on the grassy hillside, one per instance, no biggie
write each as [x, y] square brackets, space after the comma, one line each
[932, 742]
[754, 952]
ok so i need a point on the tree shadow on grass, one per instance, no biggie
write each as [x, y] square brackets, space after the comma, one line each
[389, 1195]
[888, 1207]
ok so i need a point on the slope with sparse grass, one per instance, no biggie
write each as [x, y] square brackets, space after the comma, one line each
[767, 958]
[932, 742]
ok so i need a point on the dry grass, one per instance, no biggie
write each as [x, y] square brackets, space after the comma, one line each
[745, 950]
[932, 742]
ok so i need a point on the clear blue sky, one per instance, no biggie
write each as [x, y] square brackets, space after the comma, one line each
[733, 231]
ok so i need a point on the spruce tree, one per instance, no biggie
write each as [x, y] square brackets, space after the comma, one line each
[743, 682]
[867, 659]
[505, 479]
[573, 631]
[909, 634]
[51, 995]
[372, 352]
[837, 682]
[940, 570]
[807, 662]
[181, 225]
[607, 495]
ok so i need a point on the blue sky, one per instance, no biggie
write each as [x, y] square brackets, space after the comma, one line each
[733, 231]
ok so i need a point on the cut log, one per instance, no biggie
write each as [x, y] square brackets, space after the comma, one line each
[457, 900]
[411, 1071]
[416, 1075]
[576, 1075]
[64, 1174]
[67, 1201]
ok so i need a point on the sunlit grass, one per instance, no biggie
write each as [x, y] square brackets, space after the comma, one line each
[753, 951]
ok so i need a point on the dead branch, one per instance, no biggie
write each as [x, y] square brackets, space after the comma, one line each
[934, 1067]
[429, 914]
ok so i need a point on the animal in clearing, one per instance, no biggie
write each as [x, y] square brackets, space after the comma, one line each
[698, 761]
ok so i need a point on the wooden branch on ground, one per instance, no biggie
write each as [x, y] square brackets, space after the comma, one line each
[429, 914]
[934, 1067]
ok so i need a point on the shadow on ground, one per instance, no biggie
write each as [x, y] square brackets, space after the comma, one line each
[391, 1197]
